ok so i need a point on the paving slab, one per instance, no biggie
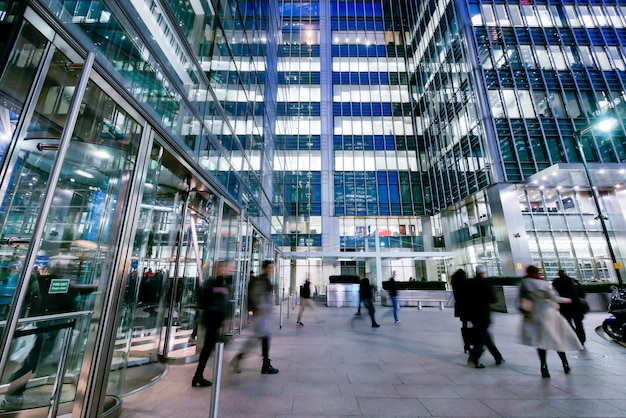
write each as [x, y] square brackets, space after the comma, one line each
[341, 367]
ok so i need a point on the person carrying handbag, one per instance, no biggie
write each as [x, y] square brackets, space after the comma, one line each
[543, 326]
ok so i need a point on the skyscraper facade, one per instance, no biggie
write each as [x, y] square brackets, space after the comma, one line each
[503, 91]
[352, 166]
[455, 127]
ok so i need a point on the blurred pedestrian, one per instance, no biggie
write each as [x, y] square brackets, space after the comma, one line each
[480, 297]
[358, 310]
[366, 295]
[392, 288]
[305, 301]
[261, 304]
[459, 290]
[573, 312]
[543, 326]
[213, 303]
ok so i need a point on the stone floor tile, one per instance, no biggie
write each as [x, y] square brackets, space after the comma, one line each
[457, 408]
[384, 407]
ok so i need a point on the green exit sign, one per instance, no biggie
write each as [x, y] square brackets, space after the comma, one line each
[59, 286]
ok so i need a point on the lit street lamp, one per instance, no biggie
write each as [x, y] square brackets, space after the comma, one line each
[605, 125]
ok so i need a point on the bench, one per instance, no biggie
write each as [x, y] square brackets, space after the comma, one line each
[422, 300]
[419, 298]
[441, 302]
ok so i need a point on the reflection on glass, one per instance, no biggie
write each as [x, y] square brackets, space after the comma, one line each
[17, 79]
[72, 260]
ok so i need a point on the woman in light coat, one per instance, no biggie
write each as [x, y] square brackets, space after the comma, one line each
[544, 327]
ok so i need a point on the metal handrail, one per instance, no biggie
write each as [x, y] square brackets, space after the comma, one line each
[53, 317]
[71, 318]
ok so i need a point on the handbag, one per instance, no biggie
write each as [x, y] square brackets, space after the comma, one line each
[584, 306]
[526, 306]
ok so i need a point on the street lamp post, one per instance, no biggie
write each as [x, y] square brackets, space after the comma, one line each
[594, 193]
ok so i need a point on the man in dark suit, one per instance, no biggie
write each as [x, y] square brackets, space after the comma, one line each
[214, 302]
[572, 312]
[480, 296]
[365, 294]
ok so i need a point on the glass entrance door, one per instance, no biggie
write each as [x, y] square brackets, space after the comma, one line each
[59, 218]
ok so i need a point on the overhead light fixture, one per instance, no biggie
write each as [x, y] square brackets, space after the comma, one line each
[102, 154]
[84, 174]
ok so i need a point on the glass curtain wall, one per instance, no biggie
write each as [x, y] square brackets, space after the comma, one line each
[65, 174]
[377, 182]
[564, 233]
[499, 90]
[297, 190]
[238, 146]
[549, 70]
[73, 150]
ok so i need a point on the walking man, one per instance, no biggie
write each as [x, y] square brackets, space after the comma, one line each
[480, 296]
[393, 295]
[365, 294]
[305, 300]
[213, 301]
[261, 304]
[573, 312]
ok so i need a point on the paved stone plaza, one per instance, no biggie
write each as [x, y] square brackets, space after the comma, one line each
[342, 367]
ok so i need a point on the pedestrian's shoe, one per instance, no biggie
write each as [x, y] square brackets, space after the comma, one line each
[234, 363]
[300, 324]
[267, 368]
[544, 371]
[566, 367]
[200, 381]
[375, 325]
[475, 363]
[358, 314]
[500, 361]
[12, 402]
[397, 323]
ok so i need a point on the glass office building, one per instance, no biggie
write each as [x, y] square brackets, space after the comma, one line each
[141, 141]
[502, 93]
[447, 130]
[136, 149]
[352, 185]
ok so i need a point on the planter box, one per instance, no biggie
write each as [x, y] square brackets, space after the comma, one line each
[507, 300]
[342, 294]
[598, 302]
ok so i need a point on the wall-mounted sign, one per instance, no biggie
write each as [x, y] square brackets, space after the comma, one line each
[59, 286]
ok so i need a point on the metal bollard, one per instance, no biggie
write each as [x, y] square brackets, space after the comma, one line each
[217, 380]
[282, 301]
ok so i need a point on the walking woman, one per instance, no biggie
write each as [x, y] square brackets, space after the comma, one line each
[543, 326]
